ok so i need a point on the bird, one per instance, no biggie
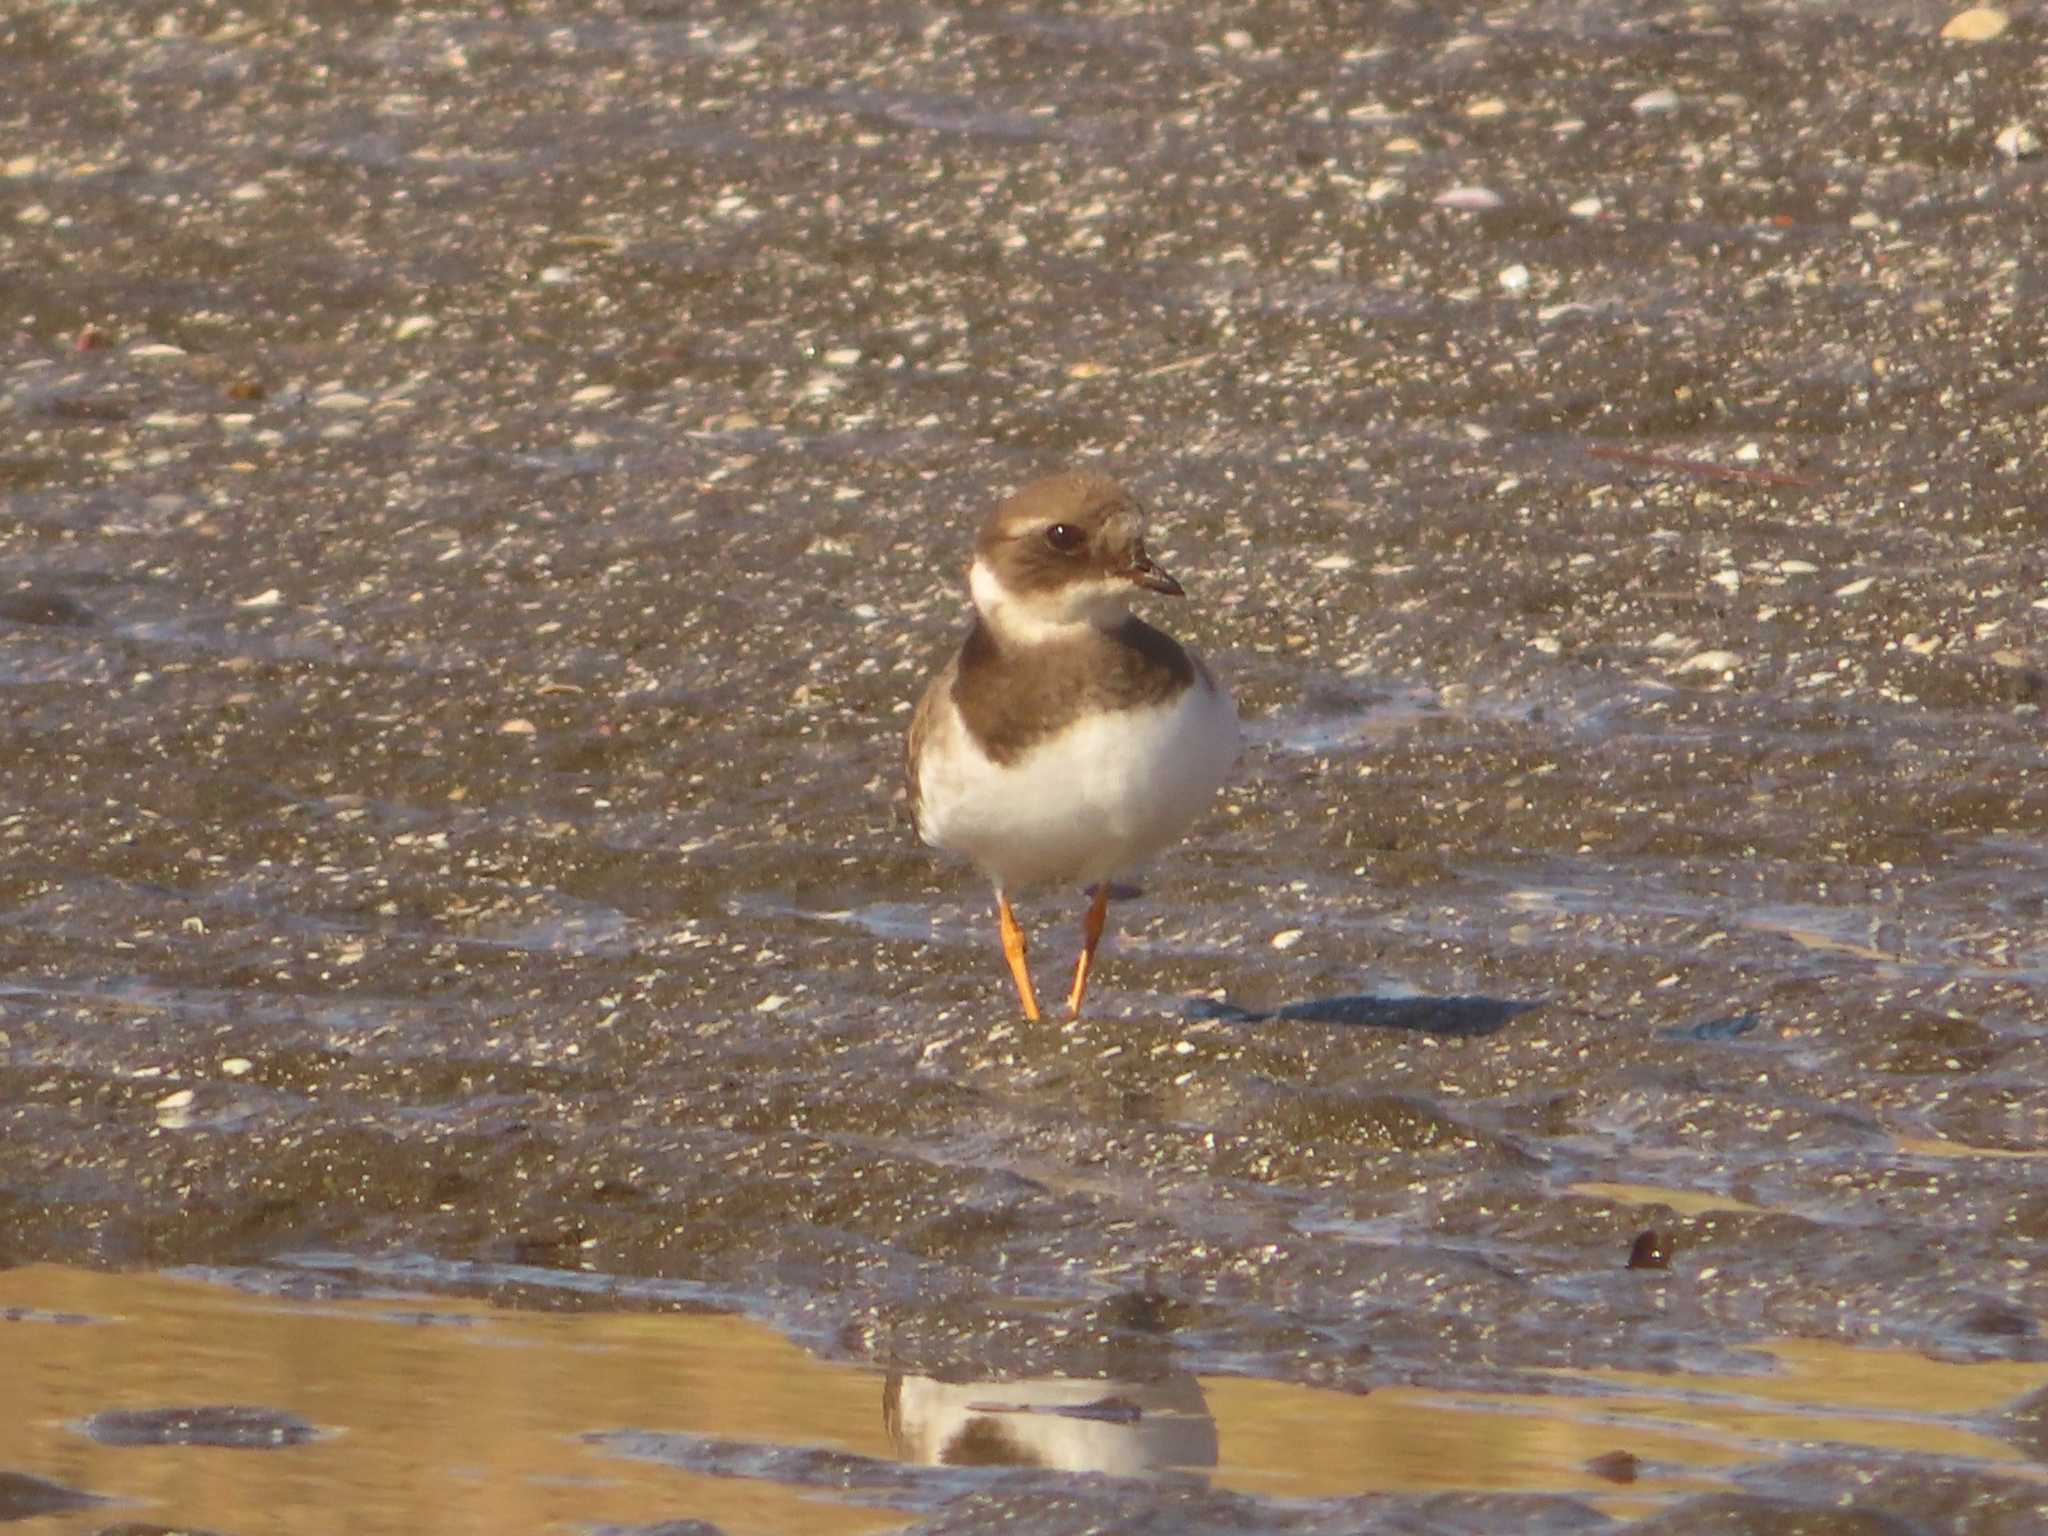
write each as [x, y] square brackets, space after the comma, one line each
[1067, 740]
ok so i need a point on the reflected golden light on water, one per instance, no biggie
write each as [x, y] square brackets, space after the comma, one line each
[451, 1415]
[1686, 1202]
[468, 1423]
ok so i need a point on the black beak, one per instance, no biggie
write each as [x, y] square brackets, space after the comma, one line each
[1142, 572]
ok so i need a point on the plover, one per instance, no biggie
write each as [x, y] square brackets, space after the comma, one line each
[1067, 740]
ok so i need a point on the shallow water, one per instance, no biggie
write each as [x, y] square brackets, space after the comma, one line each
[293, 1403]
[482, 493]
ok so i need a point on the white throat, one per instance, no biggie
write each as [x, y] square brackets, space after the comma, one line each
[1030, 619]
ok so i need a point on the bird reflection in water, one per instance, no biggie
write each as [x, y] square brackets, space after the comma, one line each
[1160, 1430]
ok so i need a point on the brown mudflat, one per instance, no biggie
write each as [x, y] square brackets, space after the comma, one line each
[482, 490]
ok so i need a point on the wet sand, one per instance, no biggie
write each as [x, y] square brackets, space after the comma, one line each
[483, 491]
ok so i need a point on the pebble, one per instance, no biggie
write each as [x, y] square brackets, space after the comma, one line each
[1586, 208]
[517, 727]
[1651, 1250]
[237, 1066]
[1979, 24]
[249, 192]
[2018, 141]
[340, 400]
[1655, 103]
[413, 325]
[156, 349]
[1857, 587]
[269, 597]
[1709, 661]
[1469, 199]
[774, 1002]
[1287, 938]
[1493, 106]
[1514, 279]
[1334, 563]
[592, 394]
[842, 357]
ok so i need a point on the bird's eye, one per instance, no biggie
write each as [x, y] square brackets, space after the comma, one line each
[1065, 537]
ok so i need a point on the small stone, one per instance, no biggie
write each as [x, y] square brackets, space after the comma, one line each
[1586, 208]
[182, 1099]
[270, 597]
[1856, 588]
[1334, 563]
[340, 402]
[1514, 279]
[842, 357]
[1655, 103]
[1979, 24]
[1709, 661]
[156, 349]
[237, 1066]
[244, 389]
[2018, 141]
[1614, 1466]
[1492, 106]
[249, 192]
[592, 394]
[1287, 938]
[1651, 1250]
[1469, 199]
[413, 325]
[774, 1002]
[517, 727]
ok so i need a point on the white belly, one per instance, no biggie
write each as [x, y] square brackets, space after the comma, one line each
[1087, 804]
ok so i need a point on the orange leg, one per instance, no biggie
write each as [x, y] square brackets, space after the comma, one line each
[1014, 951]
[1091, 935]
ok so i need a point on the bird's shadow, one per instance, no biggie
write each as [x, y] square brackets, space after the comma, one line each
[1467, 1017]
